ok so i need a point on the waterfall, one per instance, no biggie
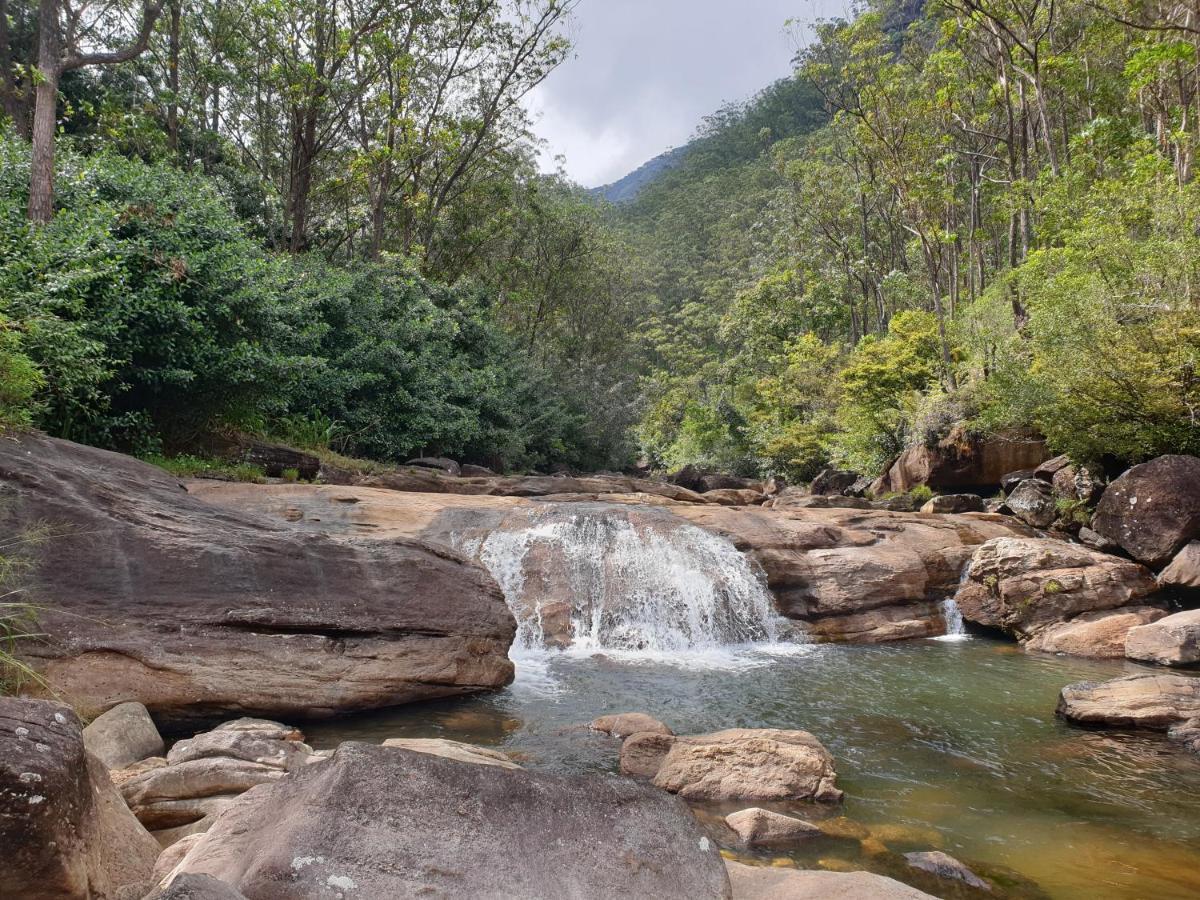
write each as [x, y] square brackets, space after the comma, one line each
[602, 578]
[956, 628]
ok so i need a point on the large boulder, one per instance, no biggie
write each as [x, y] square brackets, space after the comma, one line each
[154, 596]
[123, 736]
[1099, 635]
[1023, 585]
[771, 883]
[380, 822]
[736, 764]
[962, 462]
[764, 828]
[1033, 503]
[832, 482]
[622, 725]
[1172, 641]
[1153, 510]
[954, 503]
[65, 831]
[1154, 702]
[1184, 571]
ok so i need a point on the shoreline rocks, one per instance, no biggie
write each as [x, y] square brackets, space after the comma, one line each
[123, 736]
[769, 883]
[1153, 510]
[1153, 702]
[1171, 641]
[762, 828]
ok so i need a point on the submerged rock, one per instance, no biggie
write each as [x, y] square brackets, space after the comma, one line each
[1170, 641]
[763, 828]
[1024, 585]
[737, 764]
[763, 883]
[65, 831]
[945, 866]
[379, 822]
[152, 595]
[123, 736]
[1155, 702]
[1153, 510]
[622, 725]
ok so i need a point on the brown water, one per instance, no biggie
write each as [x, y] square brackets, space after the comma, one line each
[949, 745]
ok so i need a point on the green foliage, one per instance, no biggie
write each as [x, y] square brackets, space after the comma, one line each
[921, 494]
[187, 466]
[19, 380]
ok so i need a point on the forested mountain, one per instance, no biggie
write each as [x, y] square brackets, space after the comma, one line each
[627, 188]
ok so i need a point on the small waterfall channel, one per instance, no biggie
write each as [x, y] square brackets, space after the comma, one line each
[604, 578]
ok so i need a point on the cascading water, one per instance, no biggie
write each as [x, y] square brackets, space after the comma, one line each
[612, 579]
[956, 628]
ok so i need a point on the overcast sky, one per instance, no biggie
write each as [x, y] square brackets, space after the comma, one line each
[643, 74]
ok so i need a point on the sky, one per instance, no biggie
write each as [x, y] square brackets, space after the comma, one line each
[643, 73]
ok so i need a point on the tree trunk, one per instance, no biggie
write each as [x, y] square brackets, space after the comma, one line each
[45, 118]
[173, 77]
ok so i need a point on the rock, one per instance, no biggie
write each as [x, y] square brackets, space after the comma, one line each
[819, 501]
[158, 797]
[65, 831]
[1155, 702]
[1033, 503]
[1188, 734]
[945, 866]
[860, 488]
[1153, 510]
[962, 462]
[774, 485]
[997, 506]
[769, 883]
[172, 856]
[468, 753]
[748, 764]
[273, 459]
[1050, 468]
[642, 753]
[123, 736]
[763, 828]
[710, 483]
[1009, 482]
[1079, 483]
[469, 471]
[832, 482]
[154, 596]
[878, 626]
[1170, 641]
[954, 503]
[690, 478]
[1022, 585]
[379, 822]
[244, 745]
[898, 503]
[1099, 635]
[264, 729]
[1097, 541]
[196, 887]
[735, 498]
[121, 776]
[622, 725]
[1184, 570]
[438, 463]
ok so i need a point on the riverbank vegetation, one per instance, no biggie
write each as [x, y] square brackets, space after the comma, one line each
[326, 221]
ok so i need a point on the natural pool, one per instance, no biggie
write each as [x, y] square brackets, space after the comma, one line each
[937, 742]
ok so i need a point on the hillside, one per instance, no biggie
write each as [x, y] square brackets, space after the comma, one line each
[627, 189]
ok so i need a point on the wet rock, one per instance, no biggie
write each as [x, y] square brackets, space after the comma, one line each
[879, 626]
[1153, 510]
[749, 764]
[468, 753]
[832, 482]
[954, 503]
[152, 595]
[380, 822]
[1155, 702]
[944, 866]
[962, 461]
[1170, 641]
[123, 736]
[437, 463]
[763, 883]
[1188, 734]
[1022, 585]
[1099, 635]
[1184, 570]
[65, 831]
[622, 725]
[642, 753]
[1033, 503]
[763, 828]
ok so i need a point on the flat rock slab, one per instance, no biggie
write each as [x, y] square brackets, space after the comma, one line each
[468, 753]
[1155, 702]
[761, 883]
[1096, 635]
[155, 596]
[381, 822]
[1170, 641]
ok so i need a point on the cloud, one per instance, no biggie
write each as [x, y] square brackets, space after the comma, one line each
[644, 73]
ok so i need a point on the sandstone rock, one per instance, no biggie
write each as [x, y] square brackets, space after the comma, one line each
[469, 471]
[65, 831]
[273, 459]
[1033, 503]
[962, 462]
[832, 482]
[642, 753]
[769, 883]
[195, 779]
[1170, 641]
[264, 729]
[123, 736]
[944, 866]
[821, 501]
[1078, 483]
[748, 764]
[1188, 734]
[1155, 702]
[154, 596]
[468, 753]
[1009, 482]
[763, 828]
[244, 745]
[196, 887]
[735, 498]
[172, 856]
[1184, 570]
[879, 626]
[1050, 468]
[710, 483]
[1096, 541]
[1022, 585]
[622, 725]
[1100, 635]
[379, 822]
[954, 503]
[1153, 510]
[898, 503]
[439, 464]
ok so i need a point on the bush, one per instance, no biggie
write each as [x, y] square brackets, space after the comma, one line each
[19, 380]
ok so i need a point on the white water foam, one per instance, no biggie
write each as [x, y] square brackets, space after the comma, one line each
[956, 628]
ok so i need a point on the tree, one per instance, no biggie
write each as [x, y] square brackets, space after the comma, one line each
[66, 34]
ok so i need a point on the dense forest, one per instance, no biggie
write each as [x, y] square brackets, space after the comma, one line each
[323, 221]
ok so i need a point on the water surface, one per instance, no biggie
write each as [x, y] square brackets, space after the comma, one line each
[947, 744]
